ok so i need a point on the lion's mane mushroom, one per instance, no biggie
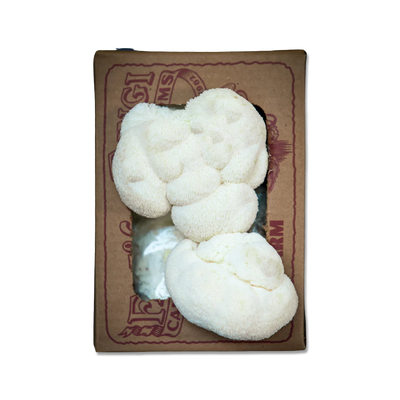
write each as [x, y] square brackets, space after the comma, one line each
[233, 285]
[204, 161]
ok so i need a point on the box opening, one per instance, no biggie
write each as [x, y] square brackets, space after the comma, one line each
[153, 240]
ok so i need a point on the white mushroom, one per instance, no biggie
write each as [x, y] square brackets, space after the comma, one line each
[233, 284]
[204, 161]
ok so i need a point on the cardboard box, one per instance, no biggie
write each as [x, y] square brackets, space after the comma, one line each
[274, 81]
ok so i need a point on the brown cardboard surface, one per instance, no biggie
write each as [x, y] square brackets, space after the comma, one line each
[273, 80]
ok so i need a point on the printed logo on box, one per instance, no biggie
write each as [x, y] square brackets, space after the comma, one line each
[154, 318]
